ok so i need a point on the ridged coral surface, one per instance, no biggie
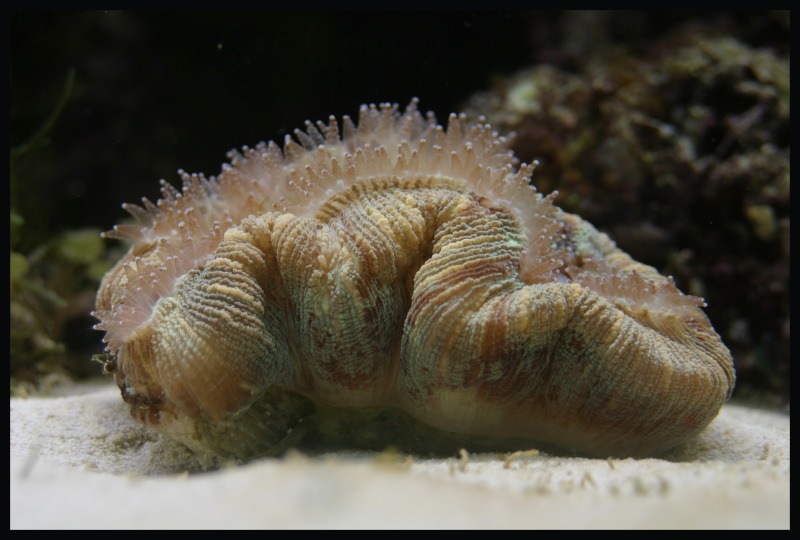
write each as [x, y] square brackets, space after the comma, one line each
[398, 264]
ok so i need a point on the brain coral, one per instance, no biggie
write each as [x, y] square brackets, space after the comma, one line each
[403, 265]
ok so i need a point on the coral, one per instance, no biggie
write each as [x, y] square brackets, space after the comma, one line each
[395, 263]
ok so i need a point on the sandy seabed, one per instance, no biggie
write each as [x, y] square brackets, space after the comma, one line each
[80, 461]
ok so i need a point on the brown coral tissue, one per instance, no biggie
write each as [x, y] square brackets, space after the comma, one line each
[395, 263]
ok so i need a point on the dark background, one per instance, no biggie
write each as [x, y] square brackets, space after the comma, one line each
[159, 91]
[155, 92]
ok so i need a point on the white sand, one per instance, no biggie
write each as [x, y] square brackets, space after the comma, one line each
[81, 462]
